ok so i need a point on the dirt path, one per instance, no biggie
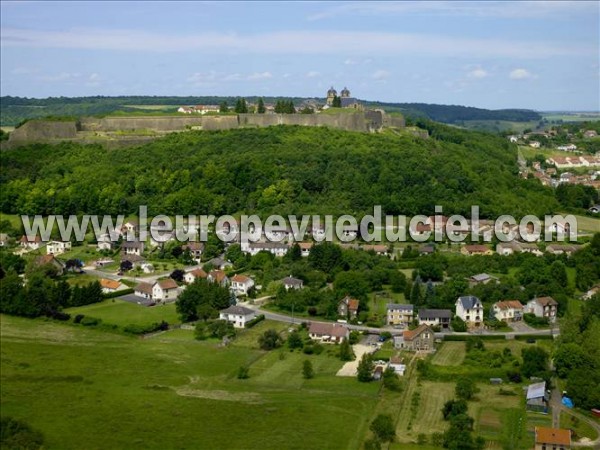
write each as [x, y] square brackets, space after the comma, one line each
[351, 367]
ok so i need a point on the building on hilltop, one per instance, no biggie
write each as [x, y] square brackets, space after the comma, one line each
[331, 95]
[346, 101]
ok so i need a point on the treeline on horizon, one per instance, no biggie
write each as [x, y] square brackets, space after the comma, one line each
[14, 110]
[276, 170]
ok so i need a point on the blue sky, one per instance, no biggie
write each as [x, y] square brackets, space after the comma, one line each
[539, 55]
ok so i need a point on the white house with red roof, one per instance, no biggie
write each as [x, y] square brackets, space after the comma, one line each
[241, 284]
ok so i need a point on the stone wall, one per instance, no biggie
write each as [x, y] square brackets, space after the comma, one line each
[44, 130]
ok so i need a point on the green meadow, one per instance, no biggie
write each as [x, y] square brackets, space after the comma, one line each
[87, 389]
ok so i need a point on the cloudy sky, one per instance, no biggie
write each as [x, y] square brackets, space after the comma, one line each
[540, 55]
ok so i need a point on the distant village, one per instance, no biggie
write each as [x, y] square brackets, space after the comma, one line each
[575, 167]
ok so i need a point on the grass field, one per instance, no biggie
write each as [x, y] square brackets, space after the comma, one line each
[450, 354]
[83, 388]
[582, 429]
[119, 312]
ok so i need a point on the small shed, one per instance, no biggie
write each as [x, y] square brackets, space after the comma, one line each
[537, 399]
[496, 380]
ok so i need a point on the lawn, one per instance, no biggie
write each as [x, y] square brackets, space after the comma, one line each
[582, 429]
[122, 313]
[83, 388]
[450, 354]
[585, 223]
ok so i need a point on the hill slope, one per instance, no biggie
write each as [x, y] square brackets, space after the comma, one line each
[282, 170]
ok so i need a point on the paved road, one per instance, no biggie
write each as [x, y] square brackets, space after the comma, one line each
[279, 317]
[146, 278]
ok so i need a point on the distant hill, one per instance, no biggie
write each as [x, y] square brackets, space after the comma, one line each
[454, 114]
[14, 110]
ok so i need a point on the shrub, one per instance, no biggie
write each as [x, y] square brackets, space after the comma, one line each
[90, 321]
[307, 370]
[58, 315]
[533, 320]
[254, 321]
[383, 427]
[269, 340]
[78, 318]
[243, 373]
[16, 434]
[308, 349]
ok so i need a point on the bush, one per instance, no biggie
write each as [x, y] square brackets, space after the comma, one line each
[243, 373]
[270, 340]
[383, 427]
[118, 293]
[78, 318]
[533, 320]
[146, 329]
[16, 434]
[58, 315]
[90, 321]
[458, 324]
[254, 321]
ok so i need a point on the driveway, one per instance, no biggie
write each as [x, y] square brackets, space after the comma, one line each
[521, 327]
[350, 369]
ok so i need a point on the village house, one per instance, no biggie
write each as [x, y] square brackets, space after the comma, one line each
[399, 314]
[557, 249]
[220, 263]
[237, 315]
[132, 248]
[135, 260]
[552, 439]
[333, 333]
[50, 260]
[219, 277]
[426, 249]
[109, 286]
[435, 317]
[398, 365]
[508, 248]
[591, 292]
[476, 249]
[590, 133]
[567, 148]
[305, 247]
[348, 307]
[513, 139]
[421, 230]
[437, 222]
[58, 247]
[381, 250]
[31, 243]
[481, 278]
[420, 339]
[165, 290]
[508, 310]
[241, 284]
[195, 249]
[143, 290]
[193, 275]
[537, 397]
[292, 283]
[470, 309]
[534, 144]
[107, 241]
[130, 227]
[275, 248]
[543, 307]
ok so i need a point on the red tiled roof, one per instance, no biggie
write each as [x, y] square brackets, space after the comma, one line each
[409, 335]
[109, 284]
[328, 329]
[555, 436]
[169, 283]
[508, 304]
[240, 278]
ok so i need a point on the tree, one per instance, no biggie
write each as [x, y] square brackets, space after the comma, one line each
[535, 361]
[365, 368]
[269, 340]
[220, 329]
[201, 331]
[260, 108]
[346, 353]
[243, 373]
[570, 356]
[458, 324]
[453, 408]
[465, 389]
[294, 340]
[391, 380]
[415, 293]
[337, 102]
[223, 108]
[307, 370]
[241, 107]
[177, 275]
[126, 266]
[383, 427]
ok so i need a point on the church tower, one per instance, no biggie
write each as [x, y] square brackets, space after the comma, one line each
[331, 94]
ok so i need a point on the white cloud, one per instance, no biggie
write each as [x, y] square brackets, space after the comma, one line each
[259, 76]
[312, 74]
[292, 43]
[520, 74]
[477, 73]
[350, 62]
[202, 77]
[61, 77]
[381, 75]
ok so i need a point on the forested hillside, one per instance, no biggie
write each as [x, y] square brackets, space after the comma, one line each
[282, 170]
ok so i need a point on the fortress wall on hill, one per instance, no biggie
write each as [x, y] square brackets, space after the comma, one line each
[43, 130]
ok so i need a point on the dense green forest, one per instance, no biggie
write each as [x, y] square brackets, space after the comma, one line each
[283, 170]
[14, 110]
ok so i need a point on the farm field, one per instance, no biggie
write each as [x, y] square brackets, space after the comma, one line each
[120, 312]
[71, 383]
